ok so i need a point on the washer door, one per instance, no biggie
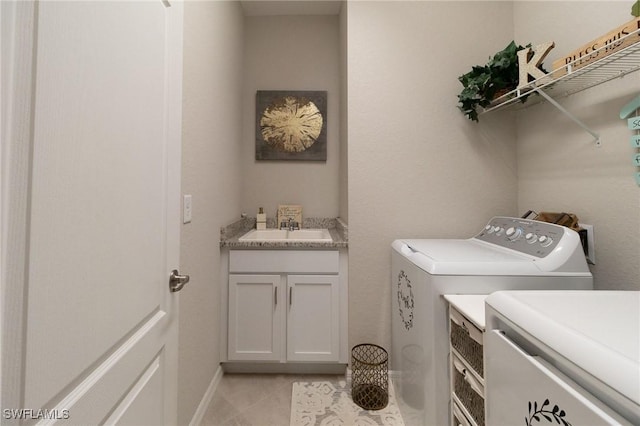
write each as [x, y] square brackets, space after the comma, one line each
[523, 389]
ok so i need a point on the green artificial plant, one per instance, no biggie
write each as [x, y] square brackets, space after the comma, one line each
[482, 83]
[635, 9]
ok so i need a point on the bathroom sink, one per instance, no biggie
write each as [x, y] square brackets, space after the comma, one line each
[264, 235]
[309, 235]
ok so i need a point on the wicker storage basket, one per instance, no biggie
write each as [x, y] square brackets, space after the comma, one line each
[472, 401]
[467, 347]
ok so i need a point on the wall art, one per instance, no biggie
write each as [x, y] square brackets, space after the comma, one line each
[291, 125]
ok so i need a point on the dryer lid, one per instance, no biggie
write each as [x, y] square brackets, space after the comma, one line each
[476, 257]
[465, 257]
[469, 250]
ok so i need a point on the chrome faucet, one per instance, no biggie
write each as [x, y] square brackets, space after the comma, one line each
[290, 225]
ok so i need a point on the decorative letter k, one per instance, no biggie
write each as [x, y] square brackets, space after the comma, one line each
[531, 67]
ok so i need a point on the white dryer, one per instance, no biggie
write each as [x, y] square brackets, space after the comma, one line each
[563, 358]
[508, 254]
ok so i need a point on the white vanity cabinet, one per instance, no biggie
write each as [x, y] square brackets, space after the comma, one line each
[285, 306]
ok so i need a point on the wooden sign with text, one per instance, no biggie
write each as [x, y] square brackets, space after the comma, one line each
[288, 211]
[599, 48]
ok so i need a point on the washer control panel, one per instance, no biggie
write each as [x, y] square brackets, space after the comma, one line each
[524, 235]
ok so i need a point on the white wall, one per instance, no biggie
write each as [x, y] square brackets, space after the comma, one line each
[560, 168]
[344, 117]
[291, 53]
[417, 167]
[212, 174]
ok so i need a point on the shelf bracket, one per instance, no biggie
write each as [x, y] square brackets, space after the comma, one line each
[568, 114]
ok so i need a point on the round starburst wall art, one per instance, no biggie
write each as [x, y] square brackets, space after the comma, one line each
[291, 125]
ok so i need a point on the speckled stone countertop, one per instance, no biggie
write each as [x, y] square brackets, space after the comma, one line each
[338, 230]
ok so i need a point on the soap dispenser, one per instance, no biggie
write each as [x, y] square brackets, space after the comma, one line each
[261, 219]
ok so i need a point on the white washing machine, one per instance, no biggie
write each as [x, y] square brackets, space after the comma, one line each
[509, 253]
[563, 358]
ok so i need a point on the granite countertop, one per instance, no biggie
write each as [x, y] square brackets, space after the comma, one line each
[338, 230]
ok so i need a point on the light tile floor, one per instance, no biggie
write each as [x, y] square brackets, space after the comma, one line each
[255, 399]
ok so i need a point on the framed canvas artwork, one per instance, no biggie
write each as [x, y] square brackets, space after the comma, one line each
[291, 125]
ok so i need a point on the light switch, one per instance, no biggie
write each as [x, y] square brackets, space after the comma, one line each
[186, 209]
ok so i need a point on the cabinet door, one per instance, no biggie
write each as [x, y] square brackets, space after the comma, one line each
[254, 317]
[313, 318]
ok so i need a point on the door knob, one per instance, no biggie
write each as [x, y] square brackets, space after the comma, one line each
[177, 281]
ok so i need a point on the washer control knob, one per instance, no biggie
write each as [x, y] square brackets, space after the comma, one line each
[531, 238]
[513, 234]
[498, 230]
[545, 241]
[489, 229]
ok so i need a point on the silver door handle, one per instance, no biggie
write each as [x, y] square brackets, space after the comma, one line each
[177, 281]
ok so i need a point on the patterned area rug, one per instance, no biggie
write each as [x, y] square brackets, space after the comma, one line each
[330, 404]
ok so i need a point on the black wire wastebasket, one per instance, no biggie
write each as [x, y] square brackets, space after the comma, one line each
[370, 376]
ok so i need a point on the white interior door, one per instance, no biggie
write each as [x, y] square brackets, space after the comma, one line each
[91, 208]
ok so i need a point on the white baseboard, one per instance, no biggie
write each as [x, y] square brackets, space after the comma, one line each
[206, 398]
[284, 367]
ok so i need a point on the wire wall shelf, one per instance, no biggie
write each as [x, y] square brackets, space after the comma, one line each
[615, 65]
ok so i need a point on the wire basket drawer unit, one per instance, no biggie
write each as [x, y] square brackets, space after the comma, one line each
[466, 367]
[466, 339]
[468, 391]
[459, 418]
